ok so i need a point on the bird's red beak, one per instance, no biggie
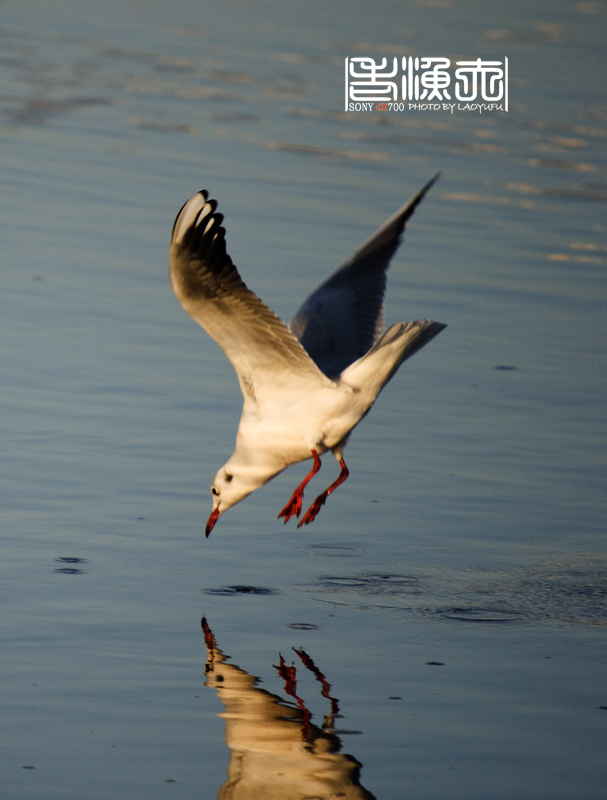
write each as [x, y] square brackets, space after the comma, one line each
[212, 520]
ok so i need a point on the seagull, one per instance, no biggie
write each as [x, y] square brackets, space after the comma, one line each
[305, 386]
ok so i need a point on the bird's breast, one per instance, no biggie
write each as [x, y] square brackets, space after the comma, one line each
[288, 431]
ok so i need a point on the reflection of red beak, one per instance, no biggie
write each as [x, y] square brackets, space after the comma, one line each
[212, 520]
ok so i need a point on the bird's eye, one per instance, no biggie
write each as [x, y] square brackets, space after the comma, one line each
[214, 491]
[228, 477]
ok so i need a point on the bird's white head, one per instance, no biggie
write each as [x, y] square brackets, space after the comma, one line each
[230, 486]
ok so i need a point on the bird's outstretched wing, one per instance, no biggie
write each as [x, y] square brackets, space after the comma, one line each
[266, 355]
[343, 318]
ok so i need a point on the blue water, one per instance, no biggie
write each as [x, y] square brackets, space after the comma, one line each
[453, 591]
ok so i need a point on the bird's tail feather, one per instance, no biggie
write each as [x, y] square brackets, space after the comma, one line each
[399, 342]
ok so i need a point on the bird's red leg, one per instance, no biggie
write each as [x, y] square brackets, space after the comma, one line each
[293, 507]
[311, 513]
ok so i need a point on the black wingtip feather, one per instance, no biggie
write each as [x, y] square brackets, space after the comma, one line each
[202, 192]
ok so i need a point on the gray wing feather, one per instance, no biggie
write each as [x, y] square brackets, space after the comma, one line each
[343, 318]
[264, 352]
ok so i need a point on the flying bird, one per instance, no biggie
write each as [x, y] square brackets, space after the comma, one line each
[305, 386]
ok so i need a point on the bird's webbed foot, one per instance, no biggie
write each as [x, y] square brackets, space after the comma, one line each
[293, 507]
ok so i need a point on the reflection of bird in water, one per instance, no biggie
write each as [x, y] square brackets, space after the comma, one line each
[276, 752]
[305, 387]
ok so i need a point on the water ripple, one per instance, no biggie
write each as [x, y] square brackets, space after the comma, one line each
[557, 594]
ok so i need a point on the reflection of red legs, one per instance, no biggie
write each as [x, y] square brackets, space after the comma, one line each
[293, 507]
[311, 513]
[288, 674]
[326, 686]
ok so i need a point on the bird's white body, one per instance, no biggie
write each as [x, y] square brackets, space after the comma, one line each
[305, 387]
